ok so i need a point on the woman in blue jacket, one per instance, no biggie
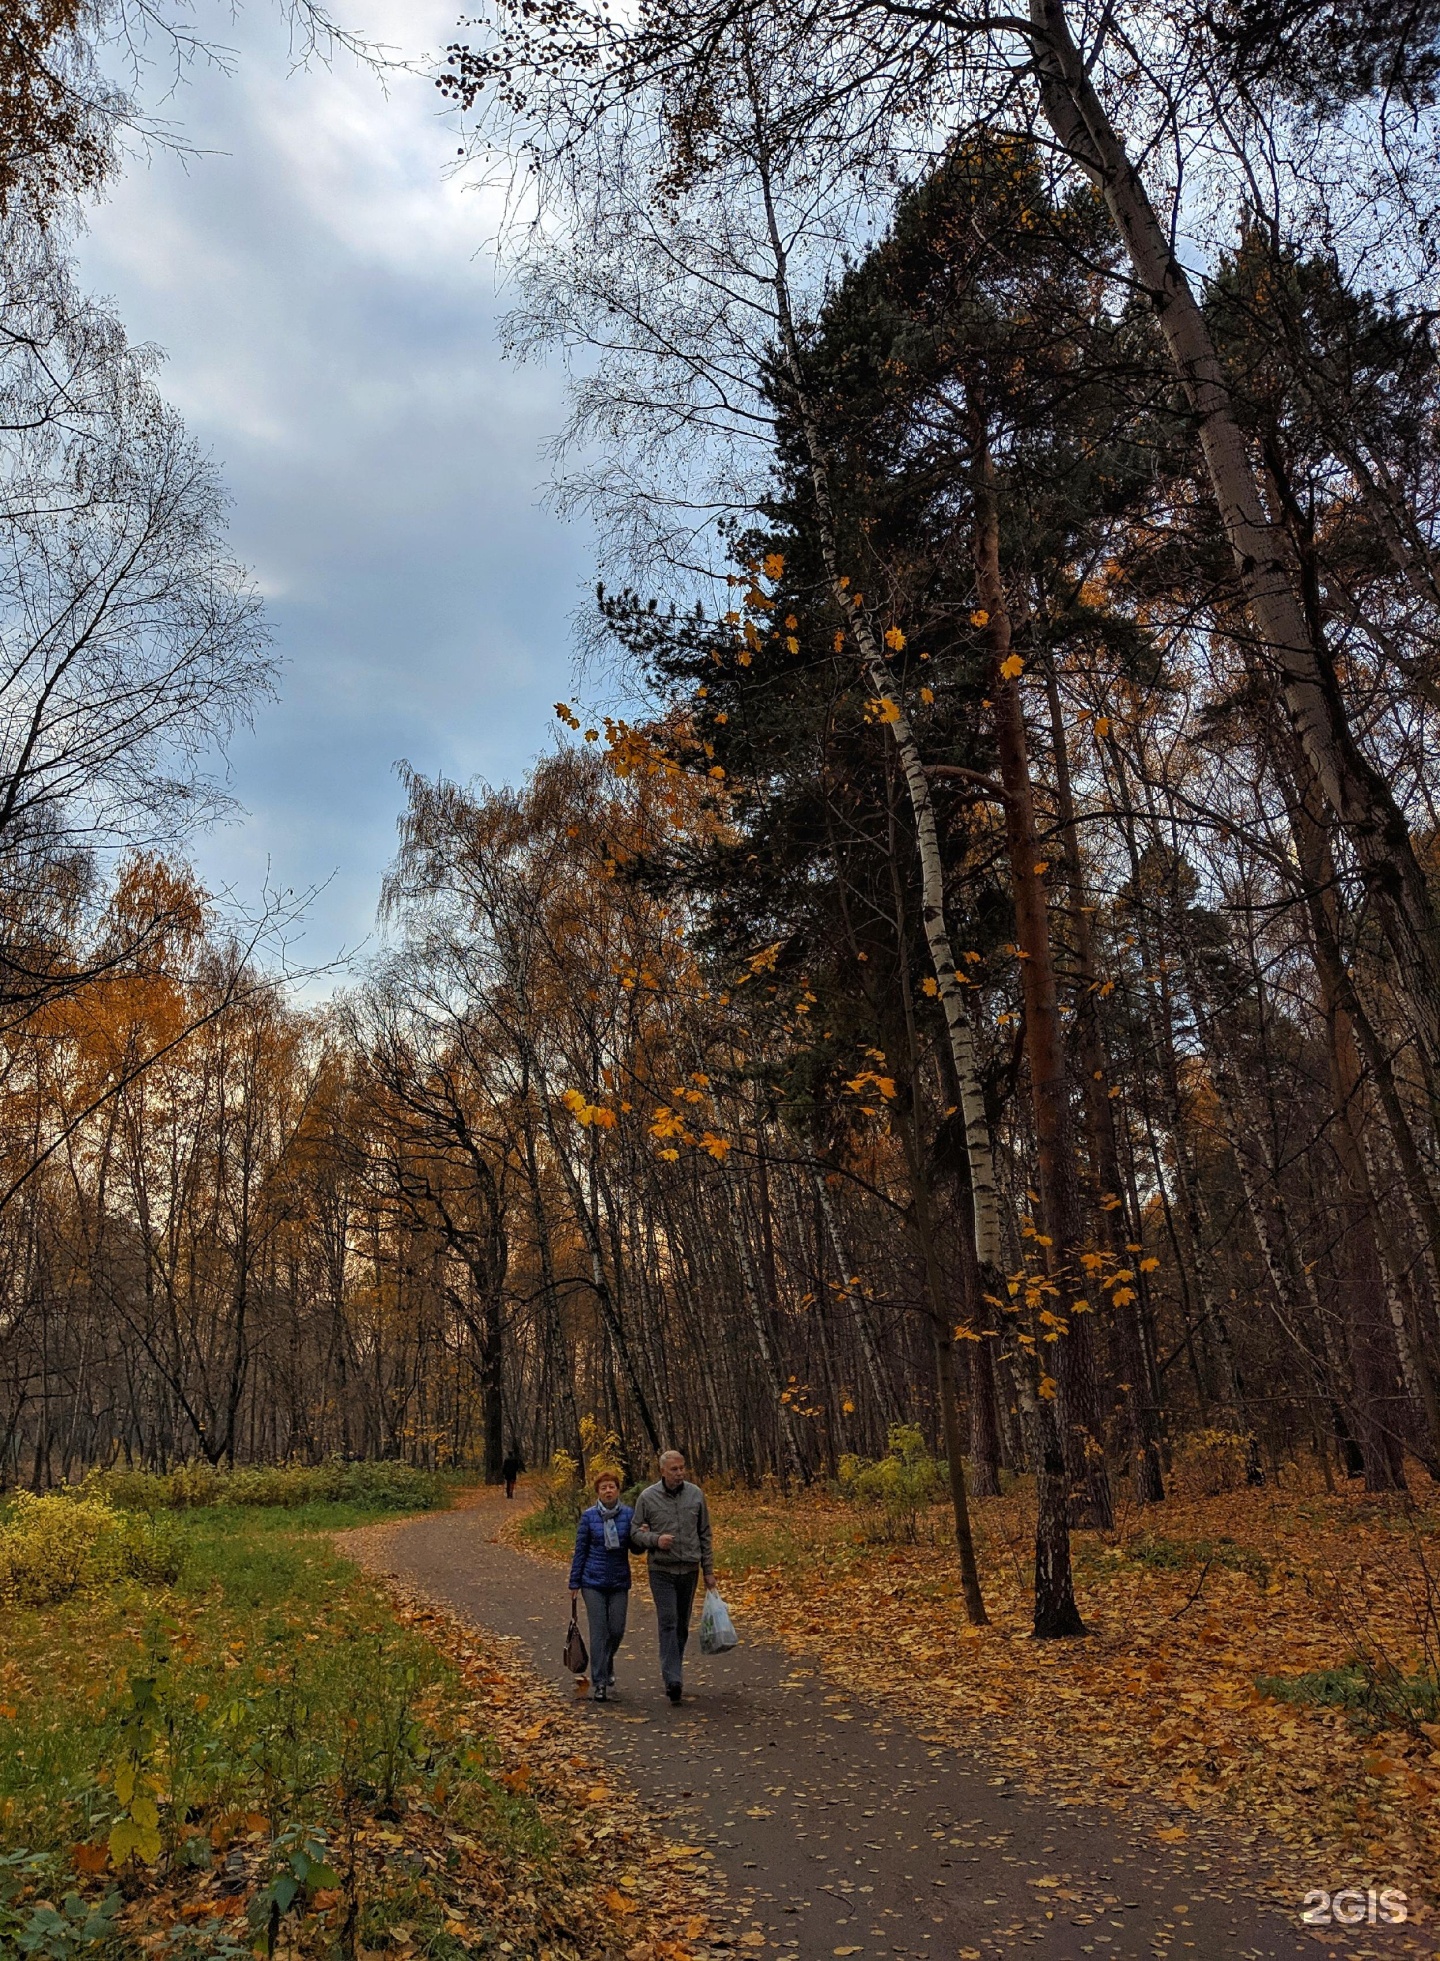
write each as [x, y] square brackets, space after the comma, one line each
[601, 1571]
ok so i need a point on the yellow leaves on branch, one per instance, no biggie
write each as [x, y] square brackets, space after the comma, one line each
[894, 639]
[774, 566]
[868, 1080]
[980, 617]
[587, 1113]
[1012, 666]
[885, 709]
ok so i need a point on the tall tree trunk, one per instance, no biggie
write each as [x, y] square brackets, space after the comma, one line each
[875, 1369]
[792, 1459]
[1355, 790]
[1344, 1024]
[1044, 1041]
[1119, 1230]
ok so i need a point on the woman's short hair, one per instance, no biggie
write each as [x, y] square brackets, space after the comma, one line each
[606, 1477]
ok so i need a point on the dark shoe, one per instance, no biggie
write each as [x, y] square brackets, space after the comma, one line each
[674, 1694]
[600, 1695]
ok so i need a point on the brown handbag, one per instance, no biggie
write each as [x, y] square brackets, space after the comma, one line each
[577, 1655]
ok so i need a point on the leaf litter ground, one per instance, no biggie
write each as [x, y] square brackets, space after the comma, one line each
[1158, 1712]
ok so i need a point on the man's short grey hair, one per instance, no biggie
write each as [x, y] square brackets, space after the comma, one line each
[671, 1456]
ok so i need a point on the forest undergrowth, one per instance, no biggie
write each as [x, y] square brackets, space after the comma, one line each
[1260, 1662]
[270, 1754]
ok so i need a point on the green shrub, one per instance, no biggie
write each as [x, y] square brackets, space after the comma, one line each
[901, 1484]
[149, 1548]
[63, 1544]
[382, 1486]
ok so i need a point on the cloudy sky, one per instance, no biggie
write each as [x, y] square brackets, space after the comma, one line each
[327, 307]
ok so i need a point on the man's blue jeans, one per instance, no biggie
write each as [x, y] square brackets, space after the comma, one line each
[673, 1594]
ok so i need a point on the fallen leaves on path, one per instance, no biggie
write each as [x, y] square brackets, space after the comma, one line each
[1157, 1713]
[588, 1902]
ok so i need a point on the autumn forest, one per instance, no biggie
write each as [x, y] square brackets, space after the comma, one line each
[979, 965]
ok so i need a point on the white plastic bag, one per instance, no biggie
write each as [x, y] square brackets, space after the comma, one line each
[717, 1630]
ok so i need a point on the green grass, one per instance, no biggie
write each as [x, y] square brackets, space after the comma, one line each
[1373, 1697]
[1158, 1554]
[266, 1707]
[550, 1533]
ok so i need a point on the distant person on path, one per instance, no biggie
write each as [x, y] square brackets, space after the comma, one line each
[672, 1525]
[510, 1470]
[600, 1571]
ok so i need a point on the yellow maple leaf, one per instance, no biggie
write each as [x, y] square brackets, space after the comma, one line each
[774, 567]
[1011, 666]
[894, 639]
